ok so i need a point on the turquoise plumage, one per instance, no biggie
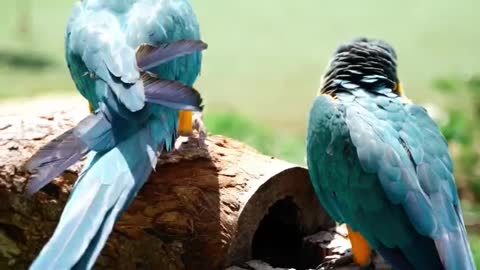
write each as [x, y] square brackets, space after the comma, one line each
[135, 61]
[380, 164]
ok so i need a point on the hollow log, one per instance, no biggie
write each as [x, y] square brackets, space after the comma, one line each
[206, 206]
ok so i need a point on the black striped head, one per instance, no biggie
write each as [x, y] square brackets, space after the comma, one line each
[368, 64]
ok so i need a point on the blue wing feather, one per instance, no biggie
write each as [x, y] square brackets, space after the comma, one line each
[92, 133]
[173, 94]
[53, 159]
[150, 57]
[412, 177]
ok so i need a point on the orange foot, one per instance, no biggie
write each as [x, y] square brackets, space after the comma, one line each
[360, 248]
[185, 123]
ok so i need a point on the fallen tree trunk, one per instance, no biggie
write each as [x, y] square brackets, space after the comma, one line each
[204, 207]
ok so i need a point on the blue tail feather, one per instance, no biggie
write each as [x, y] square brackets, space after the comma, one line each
[88, 258]
[454, 248]
[141, 170]
[100, 196]
[420, 254]
[395, 257]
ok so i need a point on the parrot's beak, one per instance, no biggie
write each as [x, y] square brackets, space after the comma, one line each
[399, 89]
[185, 123]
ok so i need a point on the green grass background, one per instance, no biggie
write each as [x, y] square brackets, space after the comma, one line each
[269, 53]
[265, 59]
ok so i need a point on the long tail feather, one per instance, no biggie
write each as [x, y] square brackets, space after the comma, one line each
[172, 94]
[126, 198]
[149, 56]
[454, 248]
[395, 257]
[53, 159]
[92, 133]
[421, 254]
[103, 192]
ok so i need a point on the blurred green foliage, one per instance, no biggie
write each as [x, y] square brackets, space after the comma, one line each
[265, 57]
[462, 131]
[458, 128]
[264, 139]
[475, 245]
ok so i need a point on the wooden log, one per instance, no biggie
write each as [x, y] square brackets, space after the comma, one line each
[203, 208]
[332, 246]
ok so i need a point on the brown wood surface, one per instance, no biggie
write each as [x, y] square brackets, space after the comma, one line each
[201, 209]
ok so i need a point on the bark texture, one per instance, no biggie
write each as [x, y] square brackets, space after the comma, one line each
[205, 207]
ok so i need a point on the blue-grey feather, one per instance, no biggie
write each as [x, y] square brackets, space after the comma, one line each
[149, 57]
[172, 94]
[403, 148]
[53, 159]
[96, 132]
[140, 167]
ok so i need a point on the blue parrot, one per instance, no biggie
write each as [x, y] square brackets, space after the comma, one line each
[135, 61]
[380, 164]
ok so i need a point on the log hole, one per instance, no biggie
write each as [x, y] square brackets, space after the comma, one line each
[278, 238]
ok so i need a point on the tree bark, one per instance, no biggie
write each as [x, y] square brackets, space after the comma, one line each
[204, 207]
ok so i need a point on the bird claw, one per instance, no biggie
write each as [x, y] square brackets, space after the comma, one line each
[199, 126]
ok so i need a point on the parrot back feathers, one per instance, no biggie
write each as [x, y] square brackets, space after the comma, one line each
[413, 192]
[136, 91]
[95, 131]
[124, 153]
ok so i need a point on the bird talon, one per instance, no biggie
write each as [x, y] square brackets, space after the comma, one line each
[199, 125]
[193, 128]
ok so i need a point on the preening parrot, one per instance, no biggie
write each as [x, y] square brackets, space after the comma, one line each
[380, 164]
[135, 61]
